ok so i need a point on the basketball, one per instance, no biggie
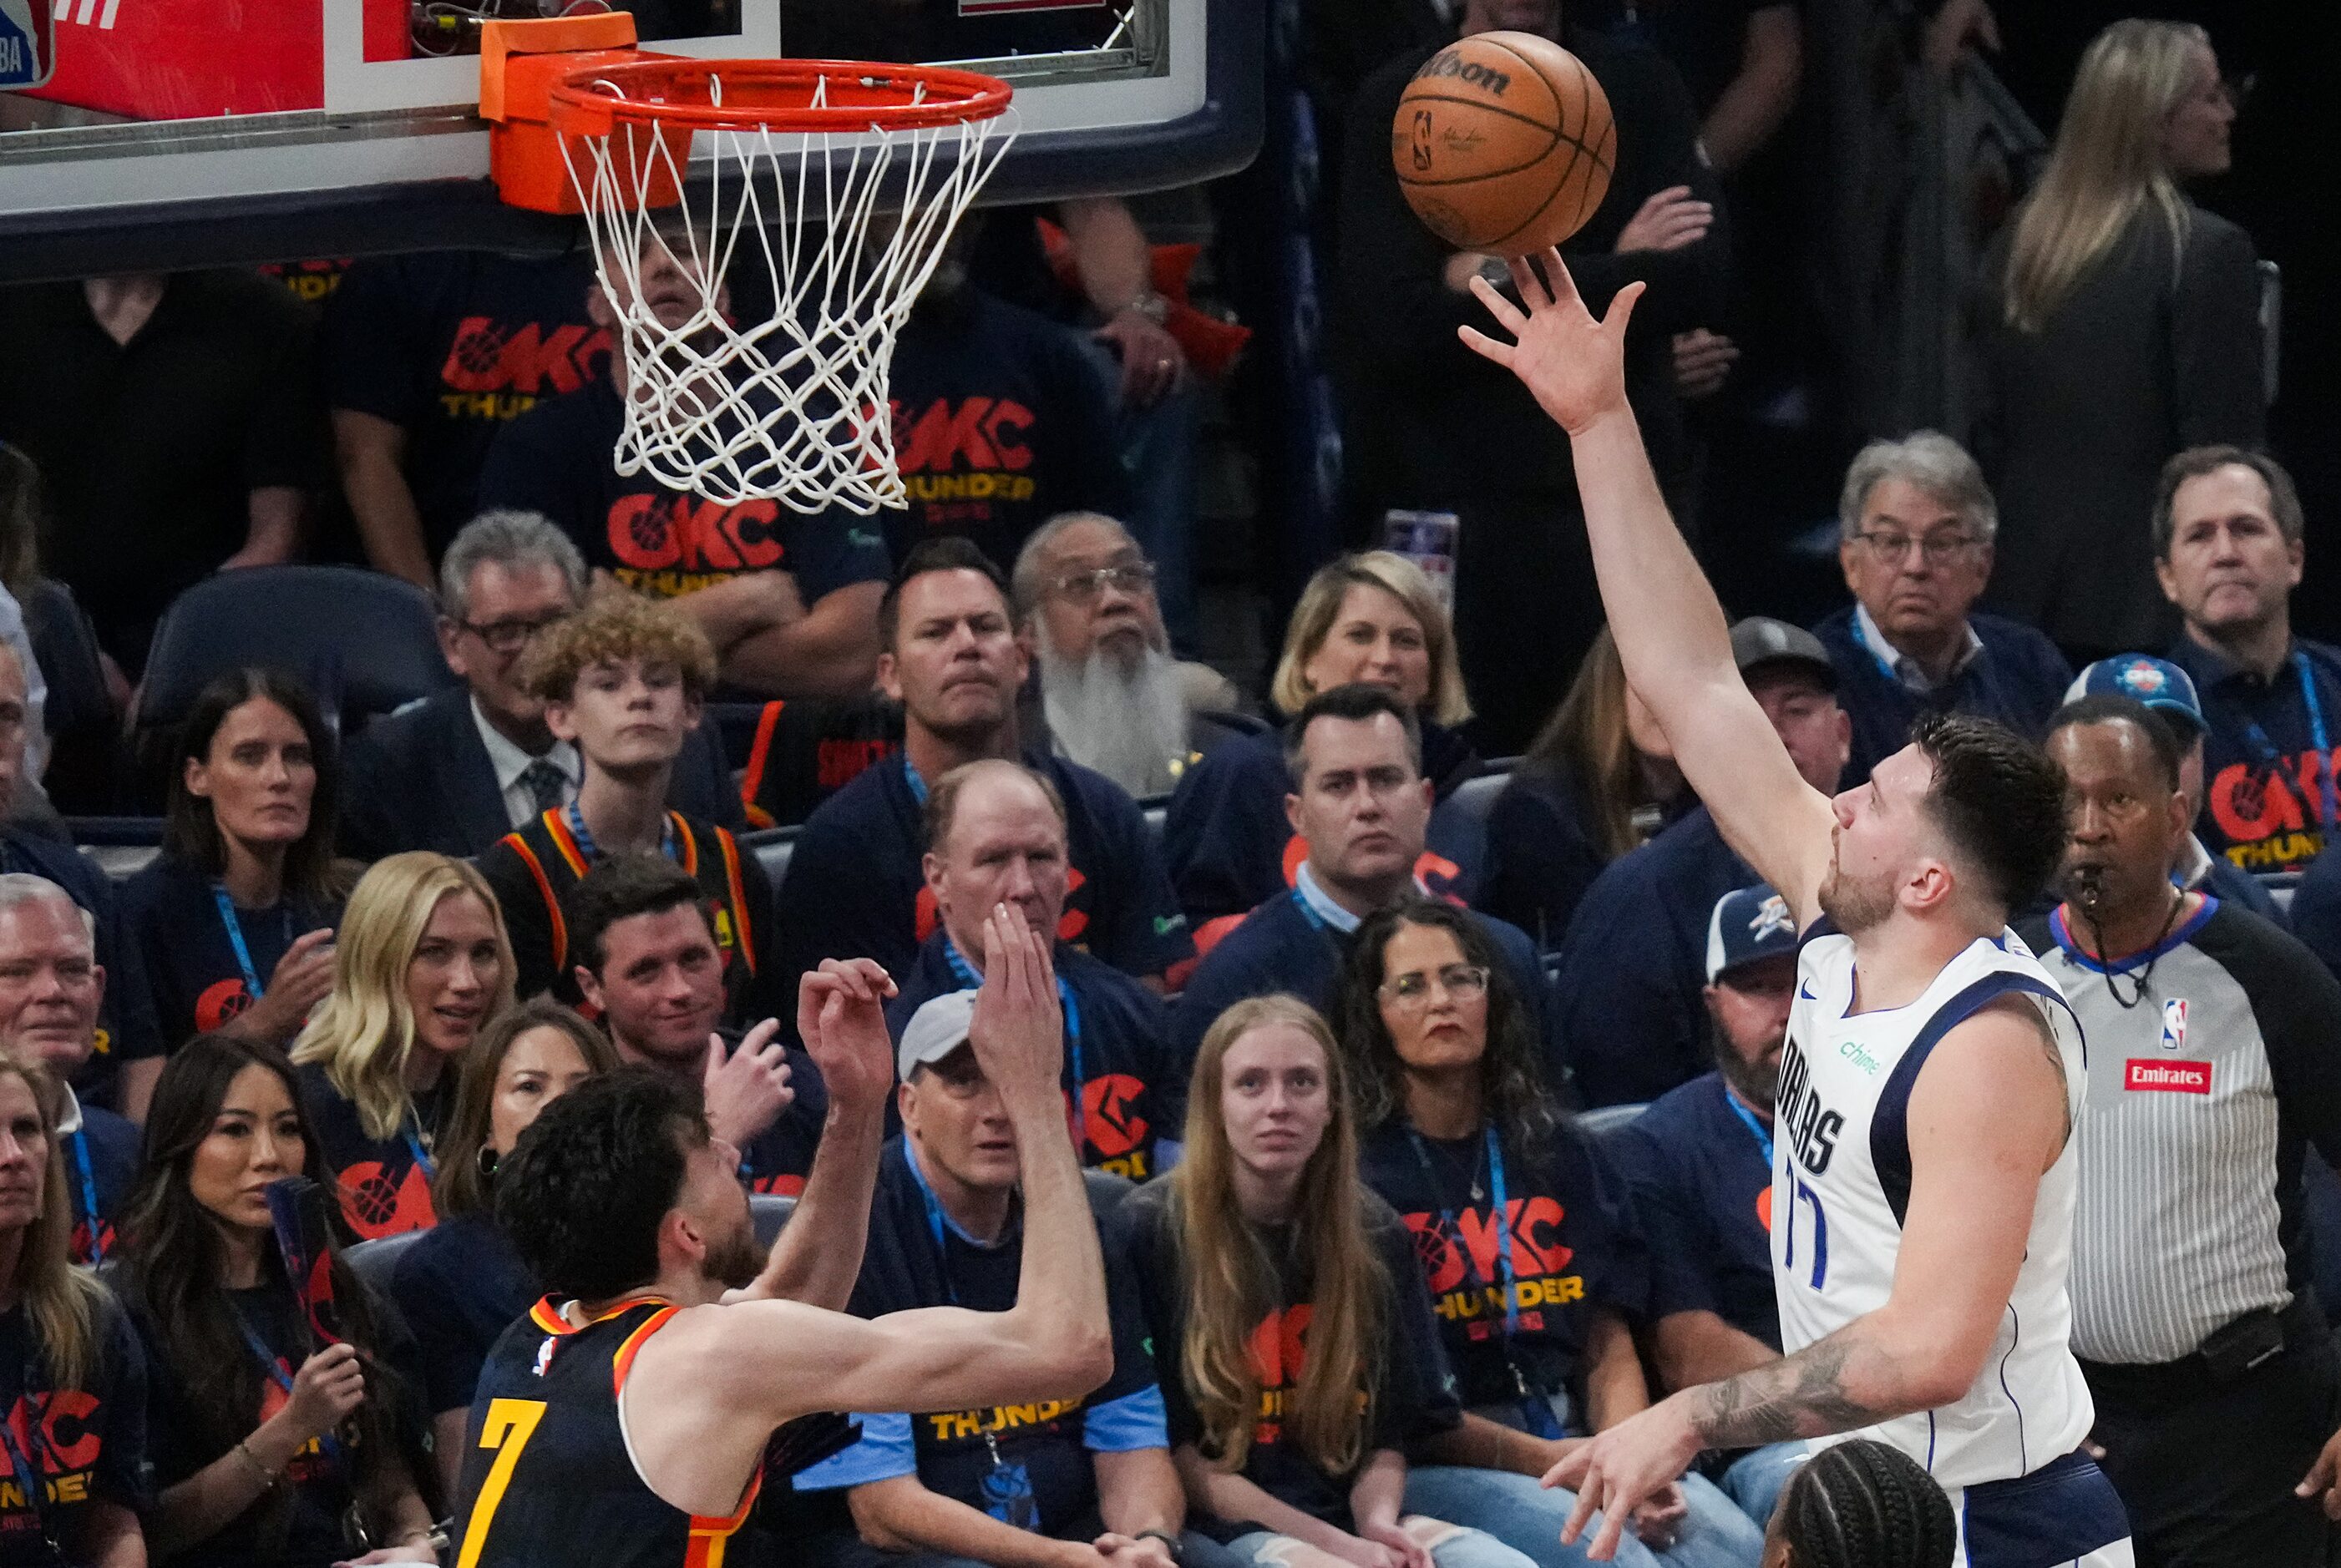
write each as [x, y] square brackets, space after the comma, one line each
[1503, 143]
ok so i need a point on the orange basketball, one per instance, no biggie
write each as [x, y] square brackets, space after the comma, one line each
[1503, 143]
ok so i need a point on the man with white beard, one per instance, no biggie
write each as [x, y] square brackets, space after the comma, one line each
[1111, 697]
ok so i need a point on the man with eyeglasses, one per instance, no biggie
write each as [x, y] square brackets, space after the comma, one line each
[1111, 697]
[461, 768]
[1917, 522]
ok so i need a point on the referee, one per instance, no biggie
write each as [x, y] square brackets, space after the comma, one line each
[2214, 1055]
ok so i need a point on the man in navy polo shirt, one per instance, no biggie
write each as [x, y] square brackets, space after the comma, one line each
[1632, 965]
[856, 887]
[1917, 523]
[1000, 1486]
[51, 989]
[996, 832]
[2227, 547]
[1360, 806]
[1698, 1170]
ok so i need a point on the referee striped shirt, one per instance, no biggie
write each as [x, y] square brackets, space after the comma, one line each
[2202, 1095]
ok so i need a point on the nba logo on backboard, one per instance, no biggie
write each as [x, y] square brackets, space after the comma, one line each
[28, 54]
[2173, 1024]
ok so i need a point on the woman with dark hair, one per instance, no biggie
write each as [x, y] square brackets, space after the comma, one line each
[1598, 781]
[1861, 1504]
[267, 1449]
[234, 919]
[462, 1284]
[1524, 1256]
[73, 1382]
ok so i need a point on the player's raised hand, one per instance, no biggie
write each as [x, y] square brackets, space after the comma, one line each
[1018, 1030]
[1622, 1468]
[1574, 365]
[842, 1019]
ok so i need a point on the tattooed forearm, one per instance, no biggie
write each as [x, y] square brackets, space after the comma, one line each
[1804, 1395]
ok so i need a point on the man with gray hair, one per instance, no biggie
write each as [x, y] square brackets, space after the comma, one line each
[1916, 524]
[1111, 697]
[459, 770]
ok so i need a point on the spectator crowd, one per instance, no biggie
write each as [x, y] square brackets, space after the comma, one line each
[1426, 1100]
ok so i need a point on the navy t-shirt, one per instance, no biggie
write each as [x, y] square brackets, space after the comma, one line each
[2265, 776]
[1571, 1251]
[1700, 1188]
[126, 1029]
[855, 888]
[111, 1146]
[383, 1184]
[190, 963]
[1133, 1091]
[2018, 679]
[1413, 1394]
[1050, 1441]
[559, 459]
[459, 1286]
[1000, 422]
[85, 1444]
[452, 346]
[1279, 947]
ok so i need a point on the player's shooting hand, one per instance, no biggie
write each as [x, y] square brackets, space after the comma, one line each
[746, 1090]
[2322, 1485]
[1623, 1468]
[1575, 366]
[842, 1019]
[1018, 1030]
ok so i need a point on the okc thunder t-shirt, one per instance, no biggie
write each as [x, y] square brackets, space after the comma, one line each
[559, 459]
[170, 912]
[87, 1443]
[384, 1187]
[1700, 1185]
[452, 346]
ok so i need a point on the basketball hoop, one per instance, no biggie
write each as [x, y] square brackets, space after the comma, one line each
[845, 178]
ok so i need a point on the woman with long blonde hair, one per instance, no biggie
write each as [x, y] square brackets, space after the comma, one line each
[2121, 326]
[66, 1348]
[1296, 1355]
[421, 966]
[1372, 619]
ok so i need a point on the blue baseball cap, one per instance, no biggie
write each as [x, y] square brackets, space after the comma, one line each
[1748, 925]
[2155, 682]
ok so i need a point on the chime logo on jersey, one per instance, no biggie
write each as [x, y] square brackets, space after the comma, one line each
[1812, 1127]
[2173, 1024]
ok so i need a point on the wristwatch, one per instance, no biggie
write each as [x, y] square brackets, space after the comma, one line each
[1170, 1542]
[1151, 304]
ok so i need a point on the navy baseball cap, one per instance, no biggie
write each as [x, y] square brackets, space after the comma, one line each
[2155, 682]
[1748, 925]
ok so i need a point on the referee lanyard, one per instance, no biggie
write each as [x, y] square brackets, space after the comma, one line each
[1010, 1484]
[2271, 758]
[964, 972]
[1534, 1410]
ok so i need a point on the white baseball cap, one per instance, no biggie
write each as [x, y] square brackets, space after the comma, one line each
[938, 1029]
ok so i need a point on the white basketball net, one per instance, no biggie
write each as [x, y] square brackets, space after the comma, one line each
[793, 408]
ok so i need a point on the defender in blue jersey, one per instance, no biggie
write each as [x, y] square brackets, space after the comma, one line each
[625, 1421]
[1924, 1169]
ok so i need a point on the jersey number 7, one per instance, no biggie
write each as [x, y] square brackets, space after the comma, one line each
[510, 1423]
[1802, 1195]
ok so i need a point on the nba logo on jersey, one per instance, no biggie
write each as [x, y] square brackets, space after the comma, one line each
[27, 43]
[544, 1354]
[2173, 1024]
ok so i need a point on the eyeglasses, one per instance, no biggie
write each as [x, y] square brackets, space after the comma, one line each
[510, 635]
[1088, 586]
[1411, 991]
[1934, 548]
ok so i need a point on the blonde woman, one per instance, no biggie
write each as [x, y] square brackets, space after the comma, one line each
[421, 966]
[66, 1349]
[1372, 619]
[1296, 1355]
[2120, 326]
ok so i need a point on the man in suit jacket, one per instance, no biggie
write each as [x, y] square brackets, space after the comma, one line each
[462, 768]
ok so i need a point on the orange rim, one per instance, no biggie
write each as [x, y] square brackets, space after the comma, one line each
[773, 94]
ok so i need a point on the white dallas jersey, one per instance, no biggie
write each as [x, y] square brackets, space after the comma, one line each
[1841, 1184]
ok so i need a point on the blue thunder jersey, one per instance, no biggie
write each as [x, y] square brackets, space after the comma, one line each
[548, 1477]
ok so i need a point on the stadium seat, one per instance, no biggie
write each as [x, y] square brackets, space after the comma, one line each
[1106, 1192]
[366, 642]
[86, 758]
[768, 1211]
[373, 1262]
[771, 847]
[1603, 1120]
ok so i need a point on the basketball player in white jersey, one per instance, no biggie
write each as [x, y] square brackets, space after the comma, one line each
[1923, 1181]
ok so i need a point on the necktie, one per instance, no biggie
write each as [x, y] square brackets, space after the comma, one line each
[547, 784]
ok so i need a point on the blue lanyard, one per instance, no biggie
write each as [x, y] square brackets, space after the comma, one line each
[271, 1363]
[2270, 757]
[1885, 665]
[965, 974]
[412, 1133]
[592, 852]
[235, 938]
[1503, 1224]
[1748, 1119]
[80, 1142]
[911, 777]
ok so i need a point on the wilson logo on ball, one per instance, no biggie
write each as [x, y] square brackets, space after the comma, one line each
[1503, 143]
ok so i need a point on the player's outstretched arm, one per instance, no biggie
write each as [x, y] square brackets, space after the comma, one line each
[1987, 1116]
[1670, 630]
